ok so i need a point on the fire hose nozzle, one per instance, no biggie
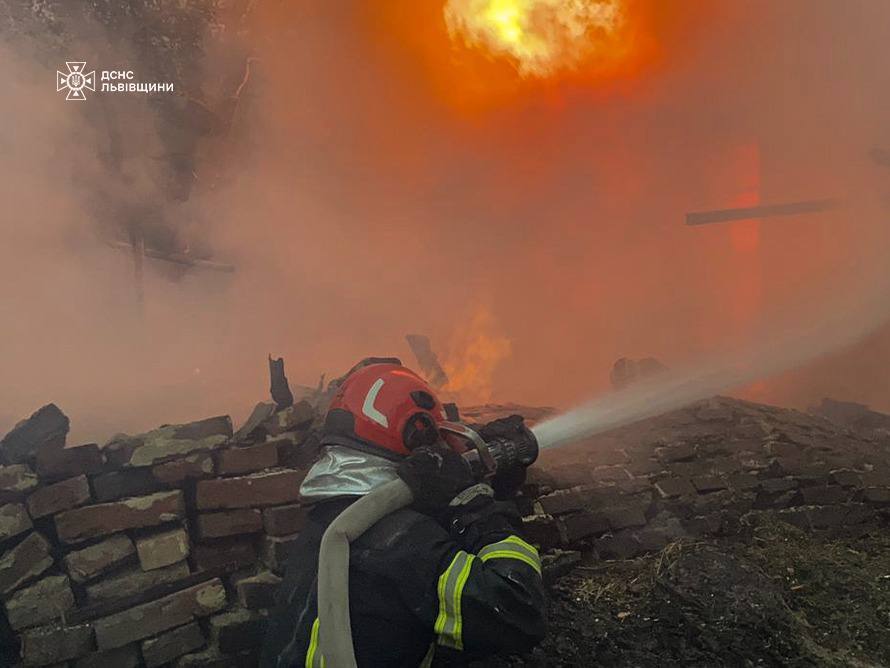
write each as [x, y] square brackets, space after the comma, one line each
[498, 453]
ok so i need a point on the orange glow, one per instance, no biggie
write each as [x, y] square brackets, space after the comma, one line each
[475, 352]
[541, 37]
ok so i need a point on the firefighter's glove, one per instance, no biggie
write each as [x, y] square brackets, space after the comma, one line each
[436, 475]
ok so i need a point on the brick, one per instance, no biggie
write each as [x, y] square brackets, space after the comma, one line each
[258, 592]
[623, 545]
[237, 630]
[284, 520]
[121, 484]
[559, 563]
[824, 495]
[541, 530]
[209, 658]
[570, 500]
[814, 517]
[777, 485]
[134, 581]
[46, 428]
[252, 430]
[107, 518]
[230, 523]
[293, 418]
[172, 644]
[609, 474]
[16, 481]
[169, 442]
[275, 551]
[24, 562]
[14, 519]
[676, 453]
[61, 463]
[296, 451]
[162, 549]
[669, 488]
[159, 615]
[119, 657]
[94, 560]
[234, 461]
[260, 489]
[198, 465]
[708, 483]
[570, 476]
[743, 481]
[55, 644]
[623, 518]
[232, 554]
[877, 495]
[846, 478]
[42, 602]
[58, 497]
[578, 526]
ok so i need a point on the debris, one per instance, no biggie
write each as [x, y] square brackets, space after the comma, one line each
[762, 211]
[627, 371]
[427, 359]
[279, 388]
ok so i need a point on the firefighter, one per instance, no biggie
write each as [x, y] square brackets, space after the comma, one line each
[442, 583]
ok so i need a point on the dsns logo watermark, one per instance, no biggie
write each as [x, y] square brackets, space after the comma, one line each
[76, 81]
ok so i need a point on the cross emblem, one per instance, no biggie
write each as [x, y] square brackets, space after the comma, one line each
[76, 80]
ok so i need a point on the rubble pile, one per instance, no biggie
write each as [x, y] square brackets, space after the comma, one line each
[164, 548]
[703, 471]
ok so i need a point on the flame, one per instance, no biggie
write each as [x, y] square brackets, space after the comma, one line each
[541, 37]
[475, 352]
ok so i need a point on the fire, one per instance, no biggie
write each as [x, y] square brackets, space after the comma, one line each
[475, 352]
[541, 37]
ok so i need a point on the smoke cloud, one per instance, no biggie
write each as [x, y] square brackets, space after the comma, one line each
[374, 178]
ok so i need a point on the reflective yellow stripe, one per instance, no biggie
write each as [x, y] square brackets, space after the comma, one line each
[512, 547]
[448, 624]
[313, 658]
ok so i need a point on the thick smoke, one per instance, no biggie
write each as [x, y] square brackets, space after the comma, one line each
[375, 180]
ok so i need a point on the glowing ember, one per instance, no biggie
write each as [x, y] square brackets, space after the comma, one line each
[541, 37]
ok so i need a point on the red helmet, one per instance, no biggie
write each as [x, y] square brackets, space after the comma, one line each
[384, 409]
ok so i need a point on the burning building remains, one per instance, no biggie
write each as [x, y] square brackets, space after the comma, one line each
[168, 547]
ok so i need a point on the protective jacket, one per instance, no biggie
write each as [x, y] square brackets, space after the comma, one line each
[423, 591]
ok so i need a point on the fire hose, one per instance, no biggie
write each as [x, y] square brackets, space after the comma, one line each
[334, 625]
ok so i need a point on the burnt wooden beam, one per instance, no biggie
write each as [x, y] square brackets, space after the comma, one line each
[762, 211]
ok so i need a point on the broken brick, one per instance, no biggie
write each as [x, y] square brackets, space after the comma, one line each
[258, 591]
[134, 581]
[162, 549]
[61, 463]
[235, 461]
[275, 551]
[56, 644]
[270, 488]
[58, 497]
[94, 560]
[669, 488]
[16, 481]
[169, 442]
[157, 616]
[119, 657]
[198, 465]
[107, 518]
[14, 519]
[24, 562]
[624, 517]
[121, 484]
[46, 428]
[225, 553]
[172, 644]
[237, 630]
[41, 602]
[230, 523]
[284, 520]
[705, 484]
[577, 526]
